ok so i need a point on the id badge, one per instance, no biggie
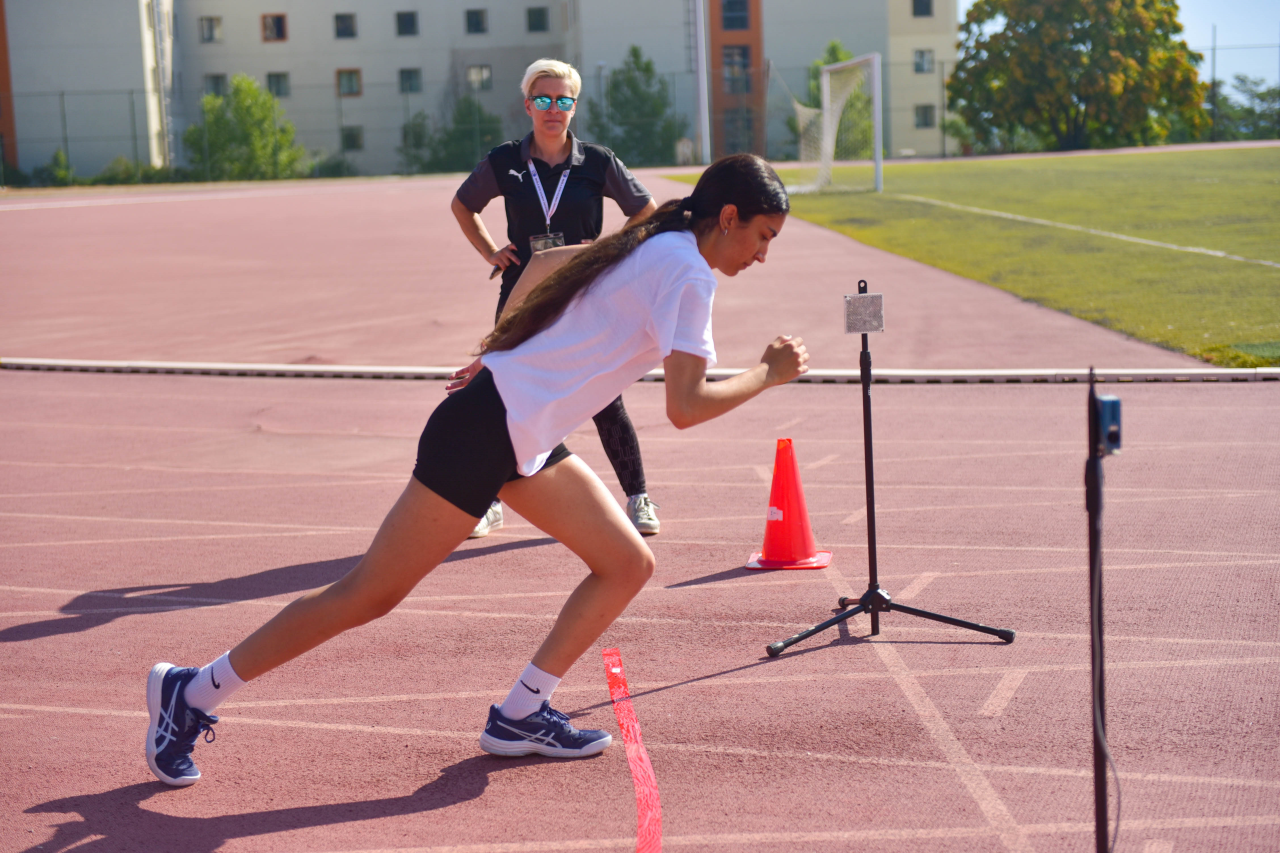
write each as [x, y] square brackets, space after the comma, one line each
[541, 242]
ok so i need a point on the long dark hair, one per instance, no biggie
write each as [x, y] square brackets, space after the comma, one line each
[743, 180]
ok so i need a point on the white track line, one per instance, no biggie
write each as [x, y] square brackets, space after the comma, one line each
[915, 587]
[812, 466]
[820, 758]
[743, 840]
[1003, 693]
[971, 776]
[191, 538]
[324, 528]
[1196, 250]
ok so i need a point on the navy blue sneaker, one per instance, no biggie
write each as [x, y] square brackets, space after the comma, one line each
[546, 731]
[174, 725]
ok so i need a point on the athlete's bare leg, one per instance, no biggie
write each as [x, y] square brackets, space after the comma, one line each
[416, 536]
[568, 502]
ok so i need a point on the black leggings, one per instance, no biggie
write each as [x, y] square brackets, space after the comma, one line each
[617, 433]
[621, 446]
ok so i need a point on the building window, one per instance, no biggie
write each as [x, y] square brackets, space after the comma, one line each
[922, 8]
[273, 28]
[410, 80]
[210, 30]
[538, 18]
[737, 69]
[477, 21]
[406, 23]
[349, 82]
[344, 26]
[353, 138]
[734, 13]
[924, 61]
[925, 116]
[215, 84]
[278, 83]
[479, 78]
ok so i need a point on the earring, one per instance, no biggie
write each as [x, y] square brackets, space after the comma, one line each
[726, 232]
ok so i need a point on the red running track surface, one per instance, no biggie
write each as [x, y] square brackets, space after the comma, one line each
[164, 517]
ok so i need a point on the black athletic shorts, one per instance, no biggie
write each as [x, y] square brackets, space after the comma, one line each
[465, 454]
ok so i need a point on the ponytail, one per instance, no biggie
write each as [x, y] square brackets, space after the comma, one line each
[743, 180]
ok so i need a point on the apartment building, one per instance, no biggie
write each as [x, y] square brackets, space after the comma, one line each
[125, 77]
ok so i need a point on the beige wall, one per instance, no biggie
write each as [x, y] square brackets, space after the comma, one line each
[905, 88]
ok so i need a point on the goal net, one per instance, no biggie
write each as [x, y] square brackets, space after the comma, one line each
[844, 138]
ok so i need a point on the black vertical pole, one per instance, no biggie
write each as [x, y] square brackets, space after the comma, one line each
[1093, 504]
[864, 365]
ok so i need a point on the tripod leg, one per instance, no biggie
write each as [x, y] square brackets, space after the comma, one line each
[775, 649]
[1003, 633]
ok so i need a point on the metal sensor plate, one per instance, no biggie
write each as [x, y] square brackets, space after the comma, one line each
[863, 312]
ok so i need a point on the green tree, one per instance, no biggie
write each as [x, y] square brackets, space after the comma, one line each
[637, 120]
[1076, 73]
[243, 137]
[56, 173]
[457, 147]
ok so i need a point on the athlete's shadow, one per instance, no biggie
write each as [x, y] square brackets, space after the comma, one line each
[101, 607]
[117, 821]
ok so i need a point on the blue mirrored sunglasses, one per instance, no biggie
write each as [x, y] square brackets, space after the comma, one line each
[543, 102]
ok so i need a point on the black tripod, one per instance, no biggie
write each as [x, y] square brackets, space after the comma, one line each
[870, 318]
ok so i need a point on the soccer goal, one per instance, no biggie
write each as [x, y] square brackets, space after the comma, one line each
[847, 128]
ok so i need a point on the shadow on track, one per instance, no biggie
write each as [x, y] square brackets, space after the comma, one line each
[94, 609]
[117, 821]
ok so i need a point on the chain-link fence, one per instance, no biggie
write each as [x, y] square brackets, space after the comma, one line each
[349, 124]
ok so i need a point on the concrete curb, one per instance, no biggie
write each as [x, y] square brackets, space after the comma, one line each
[813, 377]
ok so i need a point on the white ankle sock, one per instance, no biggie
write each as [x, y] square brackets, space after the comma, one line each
[213, 685]
[531, 689]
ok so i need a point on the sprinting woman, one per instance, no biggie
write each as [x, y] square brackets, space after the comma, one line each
[554, 186]
[564, 347]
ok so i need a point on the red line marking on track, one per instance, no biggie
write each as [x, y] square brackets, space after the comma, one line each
[648, 804]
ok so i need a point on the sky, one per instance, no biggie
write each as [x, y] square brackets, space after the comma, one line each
[1240, 22]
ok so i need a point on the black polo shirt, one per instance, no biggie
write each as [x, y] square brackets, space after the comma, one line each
[594, 174]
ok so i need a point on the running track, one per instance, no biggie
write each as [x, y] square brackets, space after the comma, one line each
[149, 517]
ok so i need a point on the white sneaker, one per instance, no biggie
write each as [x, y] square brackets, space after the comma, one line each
[492, 521]
[641, 512]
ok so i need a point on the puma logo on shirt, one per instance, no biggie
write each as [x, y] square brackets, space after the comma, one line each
[519, 175]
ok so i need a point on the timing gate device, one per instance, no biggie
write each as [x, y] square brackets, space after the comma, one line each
[864, 313]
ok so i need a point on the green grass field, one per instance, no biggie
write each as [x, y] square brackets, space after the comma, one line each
[1221, 310]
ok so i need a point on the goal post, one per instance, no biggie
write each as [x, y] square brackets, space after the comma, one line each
[847, 127]
[852, 113]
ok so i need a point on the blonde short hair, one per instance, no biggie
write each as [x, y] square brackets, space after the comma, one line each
[550, 68]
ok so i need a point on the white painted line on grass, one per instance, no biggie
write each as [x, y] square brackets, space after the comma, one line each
[1196, 250]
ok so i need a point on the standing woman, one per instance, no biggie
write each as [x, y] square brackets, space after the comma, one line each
[554, 186]
[565, 345]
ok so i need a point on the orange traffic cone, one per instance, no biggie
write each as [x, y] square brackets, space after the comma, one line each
[788, 539]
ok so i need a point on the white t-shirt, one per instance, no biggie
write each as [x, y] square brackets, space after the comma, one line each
[656, 300]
